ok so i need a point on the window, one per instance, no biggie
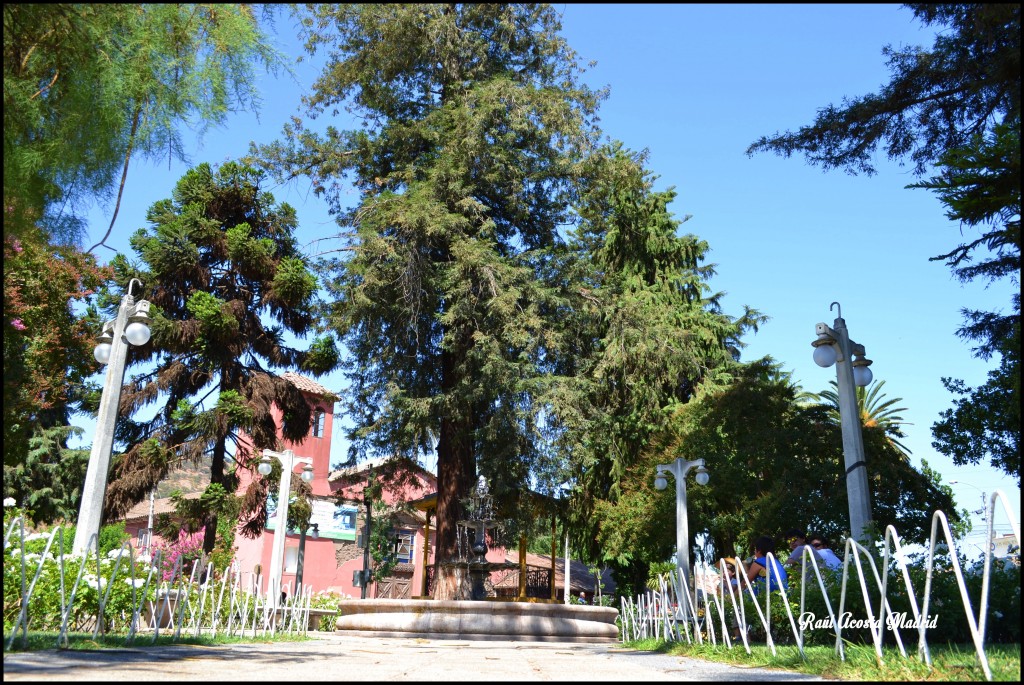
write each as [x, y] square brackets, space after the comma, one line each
[346, 517]
[291, 559]
[406, 546]
[318, 423]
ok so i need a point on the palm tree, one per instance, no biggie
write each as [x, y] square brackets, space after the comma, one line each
[875, 411]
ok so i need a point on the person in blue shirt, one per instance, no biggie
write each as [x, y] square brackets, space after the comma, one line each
[757, 572]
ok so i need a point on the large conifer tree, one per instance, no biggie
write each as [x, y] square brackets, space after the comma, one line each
[225, 279]
[474, 126]
[645, 332]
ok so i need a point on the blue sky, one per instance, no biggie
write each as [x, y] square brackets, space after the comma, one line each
[695, 85]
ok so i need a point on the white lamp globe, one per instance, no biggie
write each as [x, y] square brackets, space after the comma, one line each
[307, 473]
[137, 333]
[660, 482]
[862, 375]
[102, 353]
[702, 476]
[824, 356]
[264, 468]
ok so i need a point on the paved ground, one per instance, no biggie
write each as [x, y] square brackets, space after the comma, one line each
[353, 658]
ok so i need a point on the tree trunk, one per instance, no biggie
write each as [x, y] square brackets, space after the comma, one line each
[216, 476]
[456, 474]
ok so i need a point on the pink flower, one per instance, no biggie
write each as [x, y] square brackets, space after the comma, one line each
[18, 324]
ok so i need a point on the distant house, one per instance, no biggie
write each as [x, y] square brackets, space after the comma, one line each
[1006, 546]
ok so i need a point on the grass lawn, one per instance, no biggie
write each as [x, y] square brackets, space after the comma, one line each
[949, 662]
[48, 640]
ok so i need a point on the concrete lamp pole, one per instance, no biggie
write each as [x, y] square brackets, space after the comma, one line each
[833, 346]
[288, 461]
[679, 468]
[130, 327]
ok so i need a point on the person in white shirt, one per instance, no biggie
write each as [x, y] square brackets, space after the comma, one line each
[820, 544]
[797, 540]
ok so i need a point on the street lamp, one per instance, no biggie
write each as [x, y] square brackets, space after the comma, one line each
[833, 346]
[130, 326]
[288, 461]
[679, 468]
[365, 576]
[983, 512]
[300, 559]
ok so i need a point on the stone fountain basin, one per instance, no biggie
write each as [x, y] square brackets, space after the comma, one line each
[479, 620]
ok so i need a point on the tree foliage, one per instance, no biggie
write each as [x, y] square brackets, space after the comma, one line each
[955, 107]
[474, 126]
[980, 185]
[225, 280]
[774, 463]
[47, 354]
[874, 409]
[646, 334]
[88, 86]
[46, 480]
[936, 100]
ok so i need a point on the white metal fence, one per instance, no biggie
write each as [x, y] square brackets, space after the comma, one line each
[672, 614]
[200, 603]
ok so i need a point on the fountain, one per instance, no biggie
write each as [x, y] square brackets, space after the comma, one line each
[479, 617]
[481, 509]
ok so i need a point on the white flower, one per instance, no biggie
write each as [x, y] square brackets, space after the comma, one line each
[9, 502]
[94, 582]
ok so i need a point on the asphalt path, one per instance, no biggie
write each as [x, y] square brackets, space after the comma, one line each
[341, 657]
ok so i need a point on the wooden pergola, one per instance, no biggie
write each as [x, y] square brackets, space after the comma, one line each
[541, 504]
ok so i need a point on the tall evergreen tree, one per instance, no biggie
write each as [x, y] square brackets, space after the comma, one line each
[225, 279]
[645, 331]
[474, 127]
[955, 107]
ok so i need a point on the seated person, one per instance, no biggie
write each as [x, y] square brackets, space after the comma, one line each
[797, 540]
[821, 545]
[758, 569]
[730, 569]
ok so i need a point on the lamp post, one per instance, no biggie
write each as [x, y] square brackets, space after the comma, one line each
[366, 574]
[288, 461]
[301, 558]
[833, 346]
[130, 327]
[679, 468]
[983, 512]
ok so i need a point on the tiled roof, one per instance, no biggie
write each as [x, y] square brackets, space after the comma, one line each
[307, 384]
[375, 463]
[160, 506]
